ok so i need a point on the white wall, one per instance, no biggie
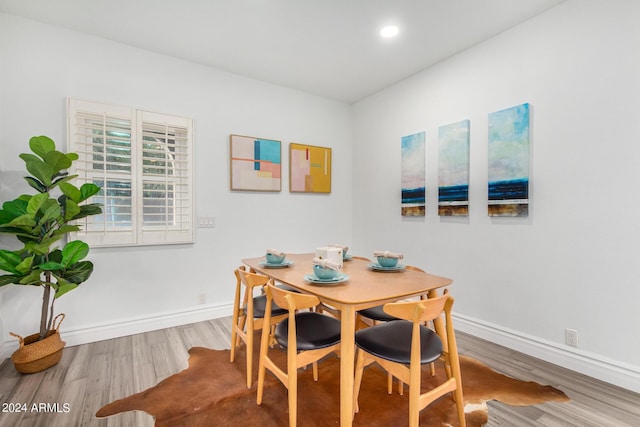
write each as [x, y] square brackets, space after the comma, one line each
[42, 65]
[573, 263]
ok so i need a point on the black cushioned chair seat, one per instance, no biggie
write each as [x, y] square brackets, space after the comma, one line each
[260, 305]
[392, 341]
[377, 313]
[313, 331]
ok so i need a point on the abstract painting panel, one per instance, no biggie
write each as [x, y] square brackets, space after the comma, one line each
[453, 169]
[309, 169]
[509, 162]
[256, 164]
[413, 175]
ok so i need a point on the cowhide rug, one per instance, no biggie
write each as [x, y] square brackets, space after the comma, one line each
[213, 392]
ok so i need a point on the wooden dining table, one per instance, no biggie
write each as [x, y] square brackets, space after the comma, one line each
[365, 288]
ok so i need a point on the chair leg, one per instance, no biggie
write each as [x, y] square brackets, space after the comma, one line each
[460, 405]
[249, 352]
[264, 347]
[292, 387]
[414, 405]
[234, 337]
[358, 379]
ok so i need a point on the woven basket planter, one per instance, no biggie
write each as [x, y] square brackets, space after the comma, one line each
[35, 356]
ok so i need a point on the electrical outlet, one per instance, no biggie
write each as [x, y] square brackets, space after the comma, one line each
[206, 222]
[202, 298]
[571, 337]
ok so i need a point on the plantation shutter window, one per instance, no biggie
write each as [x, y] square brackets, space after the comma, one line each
[166, 177]
[142, 162]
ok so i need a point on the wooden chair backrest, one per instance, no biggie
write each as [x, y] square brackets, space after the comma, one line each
[420, 311]
[250, 280]
[291, 301]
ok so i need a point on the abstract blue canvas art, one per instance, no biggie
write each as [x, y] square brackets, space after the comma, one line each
[509, 162]
[453, 169]
[413, 174]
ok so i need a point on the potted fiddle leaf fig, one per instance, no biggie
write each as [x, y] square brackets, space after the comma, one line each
[41, 223]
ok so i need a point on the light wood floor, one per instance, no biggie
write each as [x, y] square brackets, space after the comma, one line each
[92, 375]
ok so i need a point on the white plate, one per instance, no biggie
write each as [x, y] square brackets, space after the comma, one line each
[340, 278]
[378, 267]
[283, 264]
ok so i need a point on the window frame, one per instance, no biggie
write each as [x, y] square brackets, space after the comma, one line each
[94, 145]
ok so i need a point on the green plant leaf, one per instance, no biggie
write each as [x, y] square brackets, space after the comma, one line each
[71, 191]
[25, 222]
[9, 261]
[57, 160]
[73, 252]
[25, 238]
[32, 279]
[36, 202]
[38, 168]
[63, 287]
[40, 187]
[50, 211]
[71, 210]
[55, 255]
[9, 278]
[25, 265]
[44, 246]
[19, 232]
[66, 229]
[51, 266]
[41, 145]
[15, 208]
[40, 248]
[78, 272]
[87, 190]
[63, 179]
[5, 217]
[87, 210]
[27, 157]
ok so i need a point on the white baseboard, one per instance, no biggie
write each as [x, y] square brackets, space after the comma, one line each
[611, 371]
[131, 326]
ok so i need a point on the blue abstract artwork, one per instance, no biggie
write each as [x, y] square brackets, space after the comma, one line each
[413, 175]
[453, 169]
[509, 148]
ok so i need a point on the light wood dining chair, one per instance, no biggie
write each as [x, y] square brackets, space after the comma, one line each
[307, 336]
[403, 346]
[376, 315]
[249, 314]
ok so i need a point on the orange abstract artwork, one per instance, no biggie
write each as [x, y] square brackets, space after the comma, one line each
[310, 169]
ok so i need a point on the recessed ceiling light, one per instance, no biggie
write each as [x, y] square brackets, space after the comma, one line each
[389, 31]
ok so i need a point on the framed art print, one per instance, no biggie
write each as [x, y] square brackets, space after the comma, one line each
[413, 178]
[256, 164]
[309, 169]
[453, 169]
[509, 162]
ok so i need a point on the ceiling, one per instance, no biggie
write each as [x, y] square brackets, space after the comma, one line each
[329, 48]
